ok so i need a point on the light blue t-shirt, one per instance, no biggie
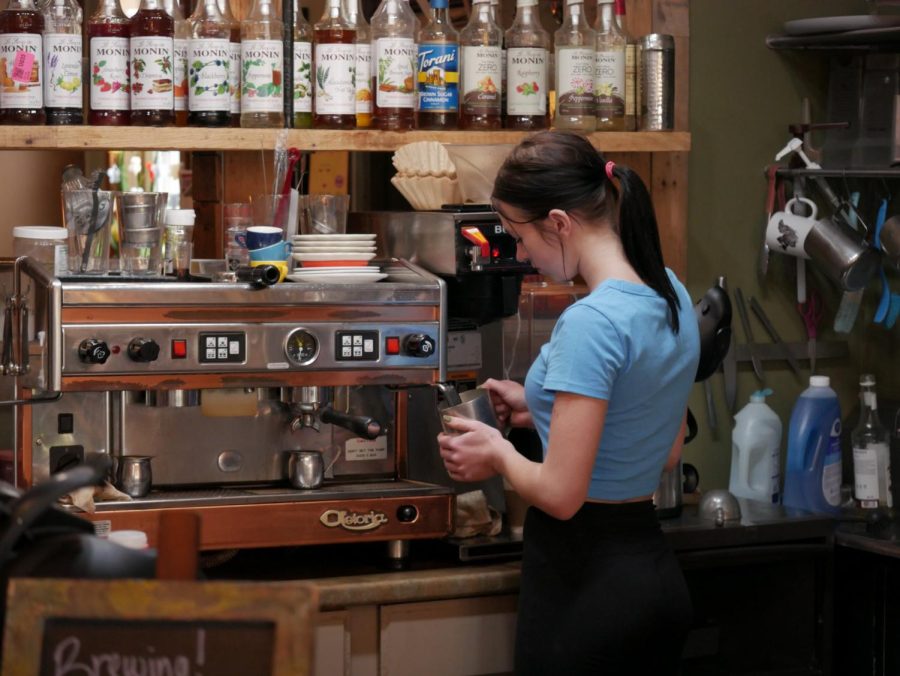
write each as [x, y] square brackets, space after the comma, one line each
[617, 344]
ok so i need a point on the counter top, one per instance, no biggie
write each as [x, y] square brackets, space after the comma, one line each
[359, 574]
[883, 539]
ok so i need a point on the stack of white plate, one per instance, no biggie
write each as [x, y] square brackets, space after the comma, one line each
[335, 259]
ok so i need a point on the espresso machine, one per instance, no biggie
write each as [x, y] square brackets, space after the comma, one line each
[218, 384]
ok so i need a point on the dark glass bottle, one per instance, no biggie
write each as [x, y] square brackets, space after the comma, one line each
[21, 63]
[108, 30]
[63, 77]
[209, 55]
[152, 65]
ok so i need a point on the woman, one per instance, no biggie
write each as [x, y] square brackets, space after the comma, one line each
[601, 590]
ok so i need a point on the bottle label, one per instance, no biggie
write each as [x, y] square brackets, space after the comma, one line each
[831, 468]
[234, 78]
[527, 77]
[110, 69]
[181, 74]
[575, 81]
[439, 77]
[481, 80]
[20, 69]
[364, 79]
[261, 86]
[395, 59]
[609, 83]
[152, 86]
[302, 77]
[335, 88]
[62, 70]
[209, 60]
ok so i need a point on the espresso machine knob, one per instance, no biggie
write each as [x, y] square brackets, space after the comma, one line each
[93, 351]
[143, 349]
[419, 345]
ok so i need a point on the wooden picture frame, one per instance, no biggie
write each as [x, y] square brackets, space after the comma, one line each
[214, 628]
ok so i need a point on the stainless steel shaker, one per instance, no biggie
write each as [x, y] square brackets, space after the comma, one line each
[657, 82]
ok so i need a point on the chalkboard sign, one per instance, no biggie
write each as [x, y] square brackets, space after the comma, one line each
[157, 628]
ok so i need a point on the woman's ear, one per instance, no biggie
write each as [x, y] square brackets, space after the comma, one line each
[561, 222]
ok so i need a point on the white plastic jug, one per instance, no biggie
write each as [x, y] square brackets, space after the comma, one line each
[756, 451]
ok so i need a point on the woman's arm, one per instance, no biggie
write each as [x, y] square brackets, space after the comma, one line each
[559, 485]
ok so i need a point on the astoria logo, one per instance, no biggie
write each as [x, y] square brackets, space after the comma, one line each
[342, 518]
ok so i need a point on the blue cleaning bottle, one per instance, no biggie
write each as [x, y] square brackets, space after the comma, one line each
[812, 478]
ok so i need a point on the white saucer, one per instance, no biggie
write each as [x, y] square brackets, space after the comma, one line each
[336, 277]
[354, 237]
[331, 269]
[332, 256]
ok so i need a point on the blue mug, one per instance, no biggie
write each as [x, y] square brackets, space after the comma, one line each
[274, 252]
[259, 236]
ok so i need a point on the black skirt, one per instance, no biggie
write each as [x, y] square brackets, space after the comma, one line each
[601, 593]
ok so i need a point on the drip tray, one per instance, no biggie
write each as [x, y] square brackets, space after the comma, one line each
[272, 494]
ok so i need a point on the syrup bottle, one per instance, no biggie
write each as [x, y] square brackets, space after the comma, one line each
[209, 54]
[609, 69]
[21, 63]
[334, 63]
[108, 30]
[302, 61]
[631, 71]
[438, 66]
[528, 57]
[575, 41]
[394, 28]
[262, 61]
[481, 60]
[152, 65]
[353, 9]
[182, 37]
[63, 91]
[234, 63]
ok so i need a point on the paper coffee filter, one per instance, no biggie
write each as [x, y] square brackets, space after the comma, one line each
[427, 192]
[476, 169]
[423, 158]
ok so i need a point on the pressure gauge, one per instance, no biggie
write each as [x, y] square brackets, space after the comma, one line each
[301, 347]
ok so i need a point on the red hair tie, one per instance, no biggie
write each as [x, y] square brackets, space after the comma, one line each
[609, 169]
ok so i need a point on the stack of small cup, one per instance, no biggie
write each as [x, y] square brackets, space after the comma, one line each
[179, 242]
[426, 176]
[266, 246]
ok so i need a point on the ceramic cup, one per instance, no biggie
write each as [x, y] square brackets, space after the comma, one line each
[274, 252]
[787, 232]
[260, 236]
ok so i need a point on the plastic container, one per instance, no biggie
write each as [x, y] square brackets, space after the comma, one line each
[47, 244]
[756, 451]
[813, 470]
[133, 539]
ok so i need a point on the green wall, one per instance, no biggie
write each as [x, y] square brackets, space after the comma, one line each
[742, 98]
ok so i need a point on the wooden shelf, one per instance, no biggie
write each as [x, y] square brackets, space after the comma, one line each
[193, 138]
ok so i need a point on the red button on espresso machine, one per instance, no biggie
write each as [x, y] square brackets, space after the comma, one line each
[179, 348]
[392, 345]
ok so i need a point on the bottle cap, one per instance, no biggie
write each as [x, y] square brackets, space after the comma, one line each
[40, 232]
[819, 381]
[180, 216]
[867, 380]
[759, 396]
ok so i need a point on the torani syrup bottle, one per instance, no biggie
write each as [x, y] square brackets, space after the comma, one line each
[528, 60]
[262, 61]
[394, 55]
[182, 36]
[21, 64]
[480, 65]
[63, 77]
[209, 59]
[438, 71]
[152, 65]
[109, 76]
[575, 42]
[302, 68]
[364, 96]
[334, 69]
[609, 69]
[234, 64]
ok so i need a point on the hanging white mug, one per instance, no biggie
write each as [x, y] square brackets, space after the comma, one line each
[787, 232]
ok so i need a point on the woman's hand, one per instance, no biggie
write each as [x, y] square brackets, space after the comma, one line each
[471, 453]
[508, 398]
